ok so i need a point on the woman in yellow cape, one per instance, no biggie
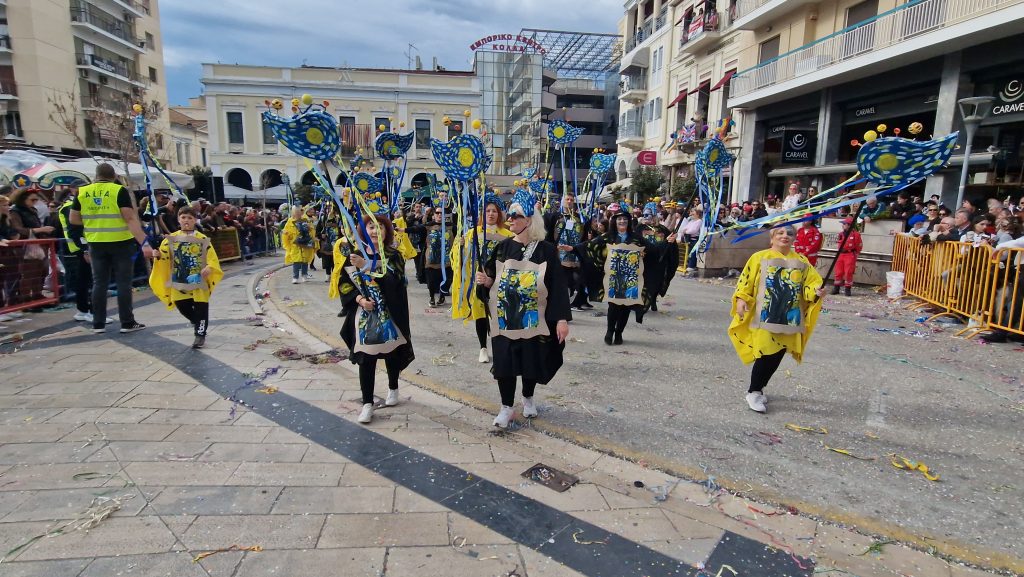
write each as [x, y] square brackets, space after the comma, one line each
[774, 310]
[183, 277]
[474, 307]
[299, 241]
[402, 242]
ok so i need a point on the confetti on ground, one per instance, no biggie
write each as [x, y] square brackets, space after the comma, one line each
[576, 539]
[297, 304]
[100, 509]
[876, 547]
[255, 344]
[802, 429]
[267, 390]
[443, 360]
[201, 556]
[901, 462]
[848, 453]
[287, 354]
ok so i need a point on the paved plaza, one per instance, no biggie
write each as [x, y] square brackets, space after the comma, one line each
[135, 455]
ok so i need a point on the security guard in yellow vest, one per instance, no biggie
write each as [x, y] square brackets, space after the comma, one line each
[105, 216]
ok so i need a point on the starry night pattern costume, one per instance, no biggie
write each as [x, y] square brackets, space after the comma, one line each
[619, 282]
[567, 228]
[661, 268]
[537, 358]
[176, 278]
[438, 264]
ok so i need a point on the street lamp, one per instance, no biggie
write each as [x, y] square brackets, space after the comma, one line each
[973, 111]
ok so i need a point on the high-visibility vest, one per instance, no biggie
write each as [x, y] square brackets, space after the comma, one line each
[64, 226]
[100, 213]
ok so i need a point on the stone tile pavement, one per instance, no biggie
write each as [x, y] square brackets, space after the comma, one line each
[146, 424]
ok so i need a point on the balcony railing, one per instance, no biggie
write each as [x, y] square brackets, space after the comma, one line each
[8, 88]
[629, 83]
[698, 27]
[885, 30]
[357, 137]
[741, 8]
[644, 32]
[631, 129]
[85, 13]
[108, 104]
[110, 67]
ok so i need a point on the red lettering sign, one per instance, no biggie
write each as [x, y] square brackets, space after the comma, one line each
[647, 157]
[519, 43]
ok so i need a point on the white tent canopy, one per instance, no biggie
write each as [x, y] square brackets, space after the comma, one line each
[137, 177]
[276, 193]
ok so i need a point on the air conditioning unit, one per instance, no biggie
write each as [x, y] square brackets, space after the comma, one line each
[83, 73]
[104, 80]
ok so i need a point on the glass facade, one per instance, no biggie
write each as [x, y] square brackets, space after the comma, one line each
[511, 86]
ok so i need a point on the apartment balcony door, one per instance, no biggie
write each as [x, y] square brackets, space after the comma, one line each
[862, 38]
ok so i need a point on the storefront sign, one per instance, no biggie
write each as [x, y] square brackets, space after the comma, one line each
[647, 158]
[1009, 98]
[104, 64]
[864, 112]
[508, 43]
[798, 146]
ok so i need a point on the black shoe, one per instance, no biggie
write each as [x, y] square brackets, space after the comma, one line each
[618, 339]
[654, 306]
[608, 338]
[848, 292]
[132, 327]
[199, 343]
[994, 336]
[342, 313]
[587, 306]
[433, 303]
[835, 289]
[440, 301]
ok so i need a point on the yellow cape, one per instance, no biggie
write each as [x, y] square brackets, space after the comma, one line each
[294, 253]
[754, 343]
[402, 242]
[472, 308]
[339, 262]
[160, 276]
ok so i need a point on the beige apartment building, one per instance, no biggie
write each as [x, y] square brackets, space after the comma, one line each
[245, 153]
[99, 54]
[189, 135]
[803, 79]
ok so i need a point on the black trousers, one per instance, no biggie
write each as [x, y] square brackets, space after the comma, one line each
[434, 281]
[368, 375]
[418, 261]
[763, 370]
[618, 316]
[507, 389]
[197, 313]
[328, 261]
[482, 328]
[79, 280]
[117, 259]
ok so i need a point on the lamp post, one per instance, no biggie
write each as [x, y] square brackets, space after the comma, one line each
[973, 111]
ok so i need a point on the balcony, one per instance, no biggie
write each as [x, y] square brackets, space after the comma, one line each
[8, 90]
[909, 33]
[633, 88]
[88, 17]
[631, 133]
[701, 33]
[5, 43]
[111, 68]
[754, 14]
[137, 9]
[107, 103]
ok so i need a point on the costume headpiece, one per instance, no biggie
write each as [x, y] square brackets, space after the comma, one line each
[522, 204]
[491, 198]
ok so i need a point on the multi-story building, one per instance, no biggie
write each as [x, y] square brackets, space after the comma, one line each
[87, 54]
[243, 151]
[189, 135]
[818, 76]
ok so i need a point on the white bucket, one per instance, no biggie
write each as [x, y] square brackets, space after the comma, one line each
[894, 284]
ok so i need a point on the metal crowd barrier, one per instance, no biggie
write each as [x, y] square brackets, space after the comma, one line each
[23, 277]
[962, 280]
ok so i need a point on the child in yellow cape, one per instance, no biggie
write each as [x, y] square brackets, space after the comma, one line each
[774, 310]
[185, 272]
[299, 241]
[474, 307]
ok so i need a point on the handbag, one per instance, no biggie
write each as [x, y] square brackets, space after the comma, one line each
[33, 251]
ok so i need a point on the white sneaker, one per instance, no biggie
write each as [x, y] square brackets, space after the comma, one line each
[529, 409]
[302, 279]
[392, 399]
[5, 318]
[366, 415]
[755, 403]
[764, 398]
[309, 275]
[295, 281]
[80, 316]
[484, 357]
[504, 417]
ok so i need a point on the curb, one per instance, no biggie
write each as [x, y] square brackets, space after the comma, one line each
[940, 546]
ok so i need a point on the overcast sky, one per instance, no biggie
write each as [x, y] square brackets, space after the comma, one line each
[336, 33]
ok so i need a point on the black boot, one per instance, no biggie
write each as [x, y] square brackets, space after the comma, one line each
[618, 338]
[199, 342]
[835, 289]
[433, 303]
[654, 306]
[848, 291]
[608, 338]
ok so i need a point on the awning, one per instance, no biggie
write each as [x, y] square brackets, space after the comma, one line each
[700, 87]
[678, 98]
[724, 80]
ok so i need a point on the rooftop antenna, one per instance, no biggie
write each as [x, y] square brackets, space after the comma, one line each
[409, 55]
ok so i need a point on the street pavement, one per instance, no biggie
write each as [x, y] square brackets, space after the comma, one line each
[135, 455]
[878, 381]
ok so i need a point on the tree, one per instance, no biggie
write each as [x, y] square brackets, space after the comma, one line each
[109, 123]
[683, 188]
[303, 193]
[645, 183]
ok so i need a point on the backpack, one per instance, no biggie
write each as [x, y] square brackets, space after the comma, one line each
[304, 239]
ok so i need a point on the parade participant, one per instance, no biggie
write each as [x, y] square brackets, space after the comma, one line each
[808, 241]
[528, 304]
[377, 321]
[185, 272]
[340, 251]
[660, 269]
[475, 307]
[328, 233]
[847, 258]
[402, 241]
[418, 237]
[614, 266]
[299, 244]
[76, 261]
[565, 227]
[438, 265]
[774, 310]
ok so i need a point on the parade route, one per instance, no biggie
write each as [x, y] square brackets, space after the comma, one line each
[134, 454]
[672, 397]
